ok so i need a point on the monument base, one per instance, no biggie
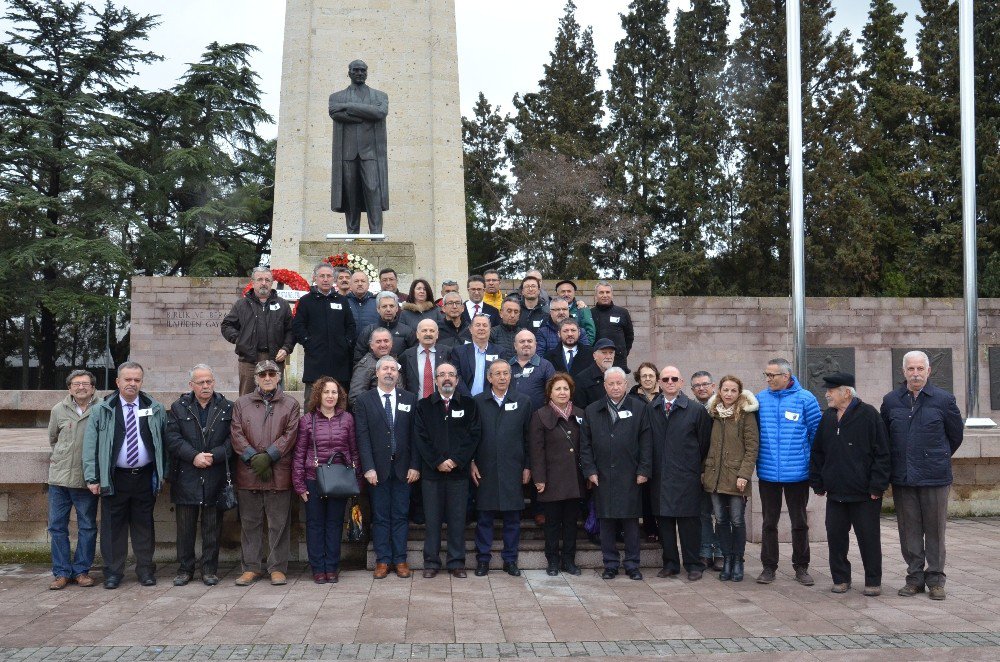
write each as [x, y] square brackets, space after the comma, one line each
[356, 237]
[401, 256]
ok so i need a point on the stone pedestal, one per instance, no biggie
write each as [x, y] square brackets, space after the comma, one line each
[400, 256]
[411, 51]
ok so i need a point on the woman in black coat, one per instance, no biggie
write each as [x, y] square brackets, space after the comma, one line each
[192, 432]
[554, 443]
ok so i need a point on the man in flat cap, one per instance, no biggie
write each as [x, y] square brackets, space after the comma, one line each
[850, 466]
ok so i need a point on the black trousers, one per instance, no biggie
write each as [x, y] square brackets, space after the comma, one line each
[609, 546]
[560, 530]
[863, 516]
[688, 529]
[445, 501]
[796, 499]
[187, 532]
[129, 513]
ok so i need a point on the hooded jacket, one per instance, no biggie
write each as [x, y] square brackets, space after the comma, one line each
[735, 443]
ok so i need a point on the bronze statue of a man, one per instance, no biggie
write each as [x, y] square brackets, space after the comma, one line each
[360, 178]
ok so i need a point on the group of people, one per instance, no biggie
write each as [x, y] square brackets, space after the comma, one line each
[467, 404]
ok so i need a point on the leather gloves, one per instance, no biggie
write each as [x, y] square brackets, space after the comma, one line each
[261, 465]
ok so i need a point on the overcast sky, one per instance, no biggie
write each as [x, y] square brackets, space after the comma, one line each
[502, 46]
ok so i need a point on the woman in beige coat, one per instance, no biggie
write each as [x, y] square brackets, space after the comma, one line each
[729, 466]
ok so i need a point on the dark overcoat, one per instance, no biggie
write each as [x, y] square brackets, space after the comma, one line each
[324, 326]
[617, 453]
[922, 438]
[555, 454]
[502, 455]
[185, 438]
[680, 443]
[441, 435]
[373, 112]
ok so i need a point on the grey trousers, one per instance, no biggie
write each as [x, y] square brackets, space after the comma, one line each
[921, 513]
[254, 507]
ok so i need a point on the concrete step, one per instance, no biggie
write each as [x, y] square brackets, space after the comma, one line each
[531, 554]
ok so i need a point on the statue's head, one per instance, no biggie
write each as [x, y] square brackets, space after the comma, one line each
[357, 71]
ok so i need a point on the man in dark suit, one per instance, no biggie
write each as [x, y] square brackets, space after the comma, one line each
[590, 381]
[124, 462]
[473, 359]
[383, 420]
[419, 361]
[570, 356]
[447, 433]
[475, 305]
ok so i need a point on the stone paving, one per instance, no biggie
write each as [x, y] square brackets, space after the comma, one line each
[531, 617]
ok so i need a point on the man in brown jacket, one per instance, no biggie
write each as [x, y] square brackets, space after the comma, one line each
[265, 428]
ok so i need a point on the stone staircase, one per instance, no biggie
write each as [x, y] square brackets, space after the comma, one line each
[531, 555]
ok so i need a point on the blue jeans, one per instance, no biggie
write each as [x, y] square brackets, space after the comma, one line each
[61, 500]
[731, 523]
[324, 528]
[710, 547]
[511, 535]
[390, 511]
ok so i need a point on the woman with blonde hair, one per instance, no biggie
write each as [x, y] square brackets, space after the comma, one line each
[729, 466]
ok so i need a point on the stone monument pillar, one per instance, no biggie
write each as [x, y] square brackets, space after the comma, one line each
[411, 51]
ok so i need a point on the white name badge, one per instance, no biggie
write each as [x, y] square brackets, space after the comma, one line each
[467, 342]
[624, 413]
[792, 416]
[144, 412]
[510, 406]
[457, 413]
[275, 306]
[336, 306]
[527, 371]
[537, 323]
[615, 320]
[403, 407]
[491, 357]
[579, 420]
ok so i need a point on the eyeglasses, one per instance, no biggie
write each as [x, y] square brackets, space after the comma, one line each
[670, 379]
[268, 373]
[772, 375]
[80, 384]
[453, 303]
[705, 385]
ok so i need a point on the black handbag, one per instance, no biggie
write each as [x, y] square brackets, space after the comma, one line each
[227, 496]
[334, 480]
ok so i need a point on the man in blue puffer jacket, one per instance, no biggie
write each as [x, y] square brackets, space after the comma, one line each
[789, 416]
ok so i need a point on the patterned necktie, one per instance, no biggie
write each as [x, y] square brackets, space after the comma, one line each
[477, 308]
[428, 386]
[131, 436]
[388, 418]
[667, 406]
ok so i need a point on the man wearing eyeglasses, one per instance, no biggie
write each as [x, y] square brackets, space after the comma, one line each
[703, 388]
[453, 330]
[789, 416]
[265, 428]
[67, 488]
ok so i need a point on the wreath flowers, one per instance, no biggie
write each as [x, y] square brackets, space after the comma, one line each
[354, 263]
[287, 278]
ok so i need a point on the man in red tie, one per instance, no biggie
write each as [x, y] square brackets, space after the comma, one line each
[475, 304]
[419, 361]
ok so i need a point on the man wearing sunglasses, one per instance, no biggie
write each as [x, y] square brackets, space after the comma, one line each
[789, 416]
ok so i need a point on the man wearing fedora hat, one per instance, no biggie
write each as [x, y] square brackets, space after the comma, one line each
[850, 466]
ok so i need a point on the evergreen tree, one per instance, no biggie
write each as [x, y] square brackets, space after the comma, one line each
[886, 161]
[559, 128]
[698, 188]
[938, 220]
[987, 64]
[487, 191]
[62, 75]
[639, 132]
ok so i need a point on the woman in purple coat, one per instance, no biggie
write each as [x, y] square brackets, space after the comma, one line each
[326, 429]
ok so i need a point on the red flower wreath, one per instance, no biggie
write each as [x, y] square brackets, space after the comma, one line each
[289, 279]
[336, 260]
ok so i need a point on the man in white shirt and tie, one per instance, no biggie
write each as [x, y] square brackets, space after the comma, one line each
[418, 362]
[570, 356]
[475, 305]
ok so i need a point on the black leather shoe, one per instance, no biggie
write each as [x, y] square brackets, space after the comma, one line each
[666, 572]
[609, 573]
[512, 569]
[572, 569]
[482, 569]
[112, 582]
[147, 580]
[458, 573]
[182, 579]
[210, 579]
[552, 570]
[635, 574]
[430, 573]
